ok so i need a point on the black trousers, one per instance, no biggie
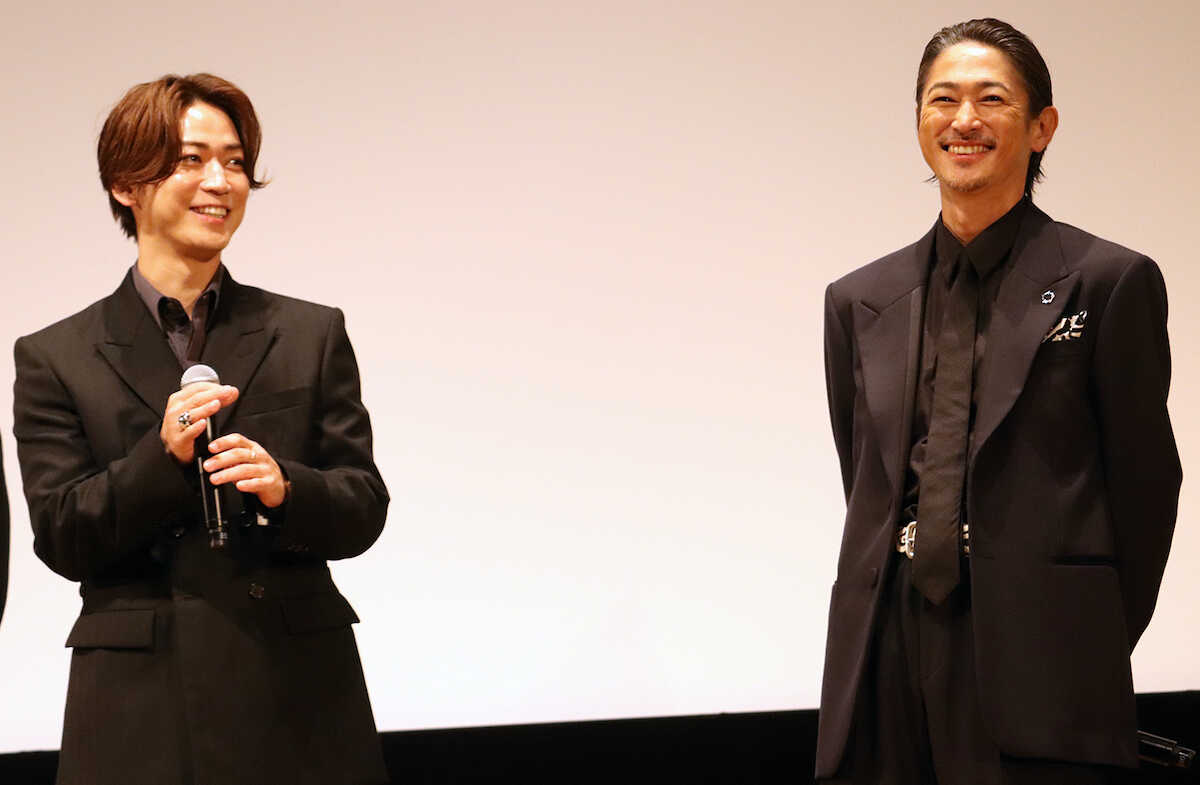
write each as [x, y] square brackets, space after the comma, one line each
[917, 718]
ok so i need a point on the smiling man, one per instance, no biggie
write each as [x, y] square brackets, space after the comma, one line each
[207, 651]
[998, 394]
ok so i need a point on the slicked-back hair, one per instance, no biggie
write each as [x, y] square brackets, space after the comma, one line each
[140, 143]
[1021, 52]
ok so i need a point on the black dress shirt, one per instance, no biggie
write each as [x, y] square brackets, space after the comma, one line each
[990, 253]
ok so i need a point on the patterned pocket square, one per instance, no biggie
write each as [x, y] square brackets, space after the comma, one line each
[1068, 328]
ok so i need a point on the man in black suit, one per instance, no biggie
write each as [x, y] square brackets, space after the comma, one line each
[998, 397]
[202, 655]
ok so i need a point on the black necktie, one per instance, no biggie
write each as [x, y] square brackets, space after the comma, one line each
[939, 508]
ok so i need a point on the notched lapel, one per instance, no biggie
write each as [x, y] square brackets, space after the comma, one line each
[137, 350]
[237, 344]
[1020, 320]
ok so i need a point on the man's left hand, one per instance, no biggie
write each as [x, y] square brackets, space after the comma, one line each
[245, 463]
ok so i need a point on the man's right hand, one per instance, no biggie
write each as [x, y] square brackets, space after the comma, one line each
[199, 401]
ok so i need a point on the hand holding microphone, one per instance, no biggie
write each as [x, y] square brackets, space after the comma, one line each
[189, 415]
[188, 411]
[235, 458]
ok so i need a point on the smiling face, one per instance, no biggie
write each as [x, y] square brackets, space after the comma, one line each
[974, 125]
[193, 213]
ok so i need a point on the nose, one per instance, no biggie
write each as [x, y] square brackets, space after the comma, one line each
[966, 119]
[214, 177]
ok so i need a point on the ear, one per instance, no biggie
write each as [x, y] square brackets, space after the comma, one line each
[125, 195]
[1043, 127]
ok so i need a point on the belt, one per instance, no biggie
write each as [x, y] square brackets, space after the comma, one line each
[906, 542]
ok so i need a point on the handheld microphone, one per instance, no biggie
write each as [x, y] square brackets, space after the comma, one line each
[214, 521]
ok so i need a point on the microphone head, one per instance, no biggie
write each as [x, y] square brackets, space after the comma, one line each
[198, 373]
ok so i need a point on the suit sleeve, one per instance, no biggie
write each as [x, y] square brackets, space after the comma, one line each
[1131, 375]
[85, 516]
[839, 387]
[338, 503]
[4, 538]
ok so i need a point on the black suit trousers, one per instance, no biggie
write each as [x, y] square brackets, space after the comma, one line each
[917, 719]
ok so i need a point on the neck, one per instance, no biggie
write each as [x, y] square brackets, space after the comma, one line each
[183, 279]
[966, 215]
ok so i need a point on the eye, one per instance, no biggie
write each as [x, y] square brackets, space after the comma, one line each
[236, 163]
[991, 99]
[190, 158]
[942, 99]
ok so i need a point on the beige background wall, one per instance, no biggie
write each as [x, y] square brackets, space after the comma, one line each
[582, 249]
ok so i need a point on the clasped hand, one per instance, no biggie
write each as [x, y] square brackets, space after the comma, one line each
[234, 458]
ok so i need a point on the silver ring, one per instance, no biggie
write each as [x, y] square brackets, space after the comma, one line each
[185, 420]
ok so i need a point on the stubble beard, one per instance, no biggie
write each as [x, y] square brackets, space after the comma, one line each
[965, 184]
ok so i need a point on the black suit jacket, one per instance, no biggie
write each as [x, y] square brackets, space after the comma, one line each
[192, 665]
[1072, 484]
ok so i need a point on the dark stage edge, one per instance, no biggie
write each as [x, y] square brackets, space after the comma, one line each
[717, 749]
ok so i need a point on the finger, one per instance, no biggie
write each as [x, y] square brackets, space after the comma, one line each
[195, 412]
[182, 447]
[193, 431]
[227, 442]
[232, 441]
[232, 457]
[190, 392]
[255, 484]
[180, 443]
[237, 473]
[192, 398]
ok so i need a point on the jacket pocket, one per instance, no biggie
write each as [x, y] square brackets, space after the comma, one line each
[314, 612]
[125, 629]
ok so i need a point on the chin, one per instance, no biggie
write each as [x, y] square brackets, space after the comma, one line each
[965, 185]
[207, 251]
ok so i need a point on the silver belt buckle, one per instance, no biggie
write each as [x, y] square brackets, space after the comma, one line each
[907, 543]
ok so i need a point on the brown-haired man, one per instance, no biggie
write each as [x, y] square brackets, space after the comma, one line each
[200, 657]
[998, 396]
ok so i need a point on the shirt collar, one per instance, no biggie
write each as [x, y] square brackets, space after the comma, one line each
[153, 298]
[986, 251]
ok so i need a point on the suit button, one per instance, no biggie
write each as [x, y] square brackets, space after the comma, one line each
[177, 532]
[257, 591]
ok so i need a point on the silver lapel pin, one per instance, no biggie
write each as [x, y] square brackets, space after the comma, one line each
[1047, 297]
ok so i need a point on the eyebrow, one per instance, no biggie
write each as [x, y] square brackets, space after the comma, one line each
[207, 146]
[954, 85]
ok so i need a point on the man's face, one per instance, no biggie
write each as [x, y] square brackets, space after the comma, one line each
[195, 211]
[974, 125]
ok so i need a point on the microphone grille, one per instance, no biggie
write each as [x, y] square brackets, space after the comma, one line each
[199, 373]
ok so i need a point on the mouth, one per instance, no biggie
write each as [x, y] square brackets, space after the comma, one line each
[213, 211]
[966, 148]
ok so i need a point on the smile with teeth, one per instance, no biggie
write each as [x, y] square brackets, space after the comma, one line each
[966, 149]
[216, 212]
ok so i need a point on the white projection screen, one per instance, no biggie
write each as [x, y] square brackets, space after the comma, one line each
[582, 249]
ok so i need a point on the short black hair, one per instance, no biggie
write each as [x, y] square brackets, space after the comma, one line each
[1024, 56]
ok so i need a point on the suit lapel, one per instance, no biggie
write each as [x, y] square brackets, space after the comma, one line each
[887, 325]
[238, 340]
[1020, 320]
[136, 348]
